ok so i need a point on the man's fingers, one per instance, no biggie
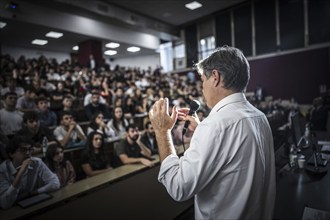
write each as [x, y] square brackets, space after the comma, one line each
[174, 113]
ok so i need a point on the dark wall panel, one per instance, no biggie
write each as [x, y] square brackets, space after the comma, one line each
[291, 24]
[223, 29]
[319, 21]
[297, 75]
[243, 29]
[191, 45]
[265, 26]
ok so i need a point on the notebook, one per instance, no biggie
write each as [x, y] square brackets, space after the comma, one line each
[25, 203]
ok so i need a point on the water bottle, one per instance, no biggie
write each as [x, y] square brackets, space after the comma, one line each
[44, 145]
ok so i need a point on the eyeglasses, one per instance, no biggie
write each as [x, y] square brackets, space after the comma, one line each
[26, 149]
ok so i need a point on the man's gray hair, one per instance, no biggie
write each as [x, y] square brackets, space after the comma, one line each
[232, 65]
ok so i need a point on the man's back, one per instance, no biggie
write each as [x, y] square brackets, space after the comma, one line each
[241, 164]
[229, 166]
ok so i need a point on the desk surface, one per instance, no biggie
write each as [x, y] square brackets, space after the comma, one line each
[75, 190]
[297, 189]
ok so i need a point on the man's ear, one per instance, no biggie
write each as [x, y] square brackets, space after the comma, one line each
[216, 77]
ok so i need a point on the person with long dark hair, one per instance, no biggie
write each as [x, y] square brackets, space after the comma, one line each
[59, 165]
[97, 124]
[94, 159]
[118, 123]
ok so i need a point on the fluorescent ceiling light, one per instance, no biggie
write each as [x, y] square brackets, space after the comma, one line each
[112, 45]
[133, 49]
[75, 48]
[39, 42]
[54, 34]
[110, 52]
[193, 5]
[2, 24]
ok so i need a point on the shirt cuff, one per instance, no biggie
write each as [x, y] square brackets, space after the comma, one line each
[167, 163]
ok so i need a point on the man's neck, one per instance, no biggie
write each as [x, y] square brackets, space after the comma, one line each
[10, 108]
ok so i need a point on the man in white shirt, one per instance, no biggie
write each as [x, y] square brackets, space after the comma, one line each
[229, 167]
[10, 118]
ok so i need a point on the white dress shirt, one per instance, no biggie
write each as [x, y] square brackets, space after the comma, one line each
[229, 166]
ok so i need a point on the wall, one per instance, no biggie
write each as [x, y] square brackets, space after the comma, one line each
[30, 53]
[297, 74]
[139, 61]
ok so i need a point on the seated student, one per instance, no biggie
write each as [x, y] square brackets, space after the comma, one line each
[94, 160]
[21, 175]
[57, 164]
[88, 96]
[96, 106]
[97, 124]
[69, 133]
[35, 131]
[10, 118]
[46, 117]
[148, 138]
[118, 123]
[27, 101]
[67, 103]
[318, 115]
[131, 149]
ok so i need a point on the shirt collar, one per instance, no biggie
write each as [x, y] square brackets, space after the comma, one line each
[236, 97]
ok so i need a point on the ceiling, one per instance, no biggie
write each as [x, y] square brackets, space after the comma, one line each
[169, 14]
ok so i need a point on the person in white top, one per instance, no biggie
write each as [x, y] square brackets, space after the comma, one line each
[229, 167]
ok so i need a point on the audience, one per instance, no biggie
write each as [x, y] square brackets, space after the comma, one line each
[318, 115]
[57, 164]
[11, 87]
[94, 160]
[46, 117]
[69, 133]
[132, 150]
[67, 105]
[148, 138]
[97, 124]
[118, 123]
[27, 101]
[21, 175]
[33, 129]
[10, 118]
[96, 106]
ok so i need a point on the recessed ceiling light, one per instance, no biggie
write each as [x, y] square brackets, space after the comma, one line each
[110, 52]
[133, 49]
[75, 48]
[193, 5]
[39, 42]
[54, 34]
[112, 45]
[2, 24]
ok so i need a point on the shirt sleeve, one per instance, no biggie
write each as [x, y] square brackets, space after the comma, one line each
[71, 171]
[185, 176]
[8, 193]
[58, 135]
[120, 148]
[50, 179]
